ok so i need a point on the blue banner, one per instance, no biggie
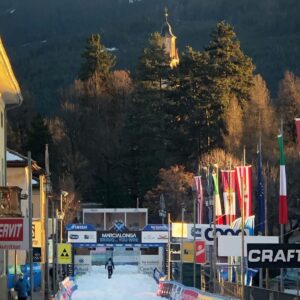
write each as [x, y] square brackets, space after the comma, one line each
[80, 227]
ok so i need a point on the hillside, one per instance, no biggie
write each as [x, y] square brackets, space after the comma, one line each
[45, 38]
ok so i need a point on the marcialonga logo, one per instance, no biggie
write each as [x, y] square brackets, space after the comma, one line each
[64, 253]
[119, 226]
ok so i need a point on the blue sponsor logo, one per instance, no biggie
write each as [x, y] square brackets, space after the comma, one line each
[74, 236]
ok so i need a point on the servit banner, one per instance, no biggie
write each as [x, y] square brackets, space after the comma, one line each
[119, 234]
[14, 234]
[273, 255]
[82, 237]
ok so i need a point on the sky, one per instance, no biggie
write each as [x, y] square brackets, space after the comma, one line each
[125, 284]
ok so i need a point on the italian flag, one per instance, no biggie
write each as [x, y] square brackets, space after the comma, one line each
[283, 210]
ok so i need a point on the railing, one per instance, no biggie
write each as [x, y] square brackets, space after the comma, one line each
[66, 289]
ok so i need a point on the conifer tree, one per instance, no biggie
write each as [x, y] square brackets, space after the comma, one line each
[97, 60]
[289, 104]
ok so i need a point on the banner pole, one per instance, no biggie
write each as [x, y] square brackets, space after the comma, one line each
[194, 205]
[169, 247]
[30, 221]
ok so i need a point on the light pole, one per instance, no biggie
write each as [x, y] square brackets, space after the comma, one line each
[63, 194]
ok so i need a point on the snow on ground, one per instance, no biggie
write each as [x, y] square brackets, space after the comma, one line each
[125, 284]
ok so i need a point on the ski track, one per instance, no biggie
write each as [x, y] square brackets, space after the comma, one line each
[126, 284]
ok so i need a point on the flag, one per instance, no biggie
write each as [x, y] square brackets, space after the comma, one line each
[297, 121]
[243, 176]
[228, 182]
[199, 198]
[283, 210]
[217, 200]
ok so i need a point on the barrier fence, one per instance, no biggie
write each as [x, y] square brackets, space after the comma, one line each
[174, 290]
[66, 289]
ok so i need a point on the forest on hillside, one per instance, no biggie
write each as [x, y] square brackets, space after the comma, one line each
[45, 38]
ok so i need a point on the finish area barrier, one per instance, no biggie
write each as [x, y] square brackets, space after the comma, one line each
[176, 291]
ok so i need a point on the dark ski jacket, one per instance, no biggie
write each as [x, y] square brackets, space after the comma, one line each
[110, 263]
[22, 287]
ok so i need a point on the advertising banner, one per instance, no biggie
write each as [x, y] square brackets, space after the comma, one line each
[14, 234]
[273, 255]
[200, 252]
[188, 252]
[155, 237]
[231, 245]
[156, 227]
[64, 254]
[36, 234]
[82, 264]
[80, 227]
[119, 234]
[179, 230]
[175, 252]
[204, 232]
[189, 294]
[82, 237]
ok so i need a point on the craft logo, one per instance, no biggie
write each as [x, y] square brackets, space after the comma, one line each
[273, 255]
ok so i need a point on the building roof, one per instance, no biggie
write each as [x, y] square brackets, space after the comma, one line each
[17, 160]
[166, 29]
[9, 87]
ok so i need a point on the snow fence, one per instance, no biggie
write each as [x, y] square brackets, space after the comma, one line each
[66, 289]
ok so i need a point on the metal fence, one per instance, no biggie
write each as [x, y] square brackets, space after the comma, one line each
[251, 292]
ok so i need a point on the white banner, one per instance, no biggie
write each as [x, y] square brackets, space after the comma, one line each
[205, 232]
[14, 234]
[82, 237]
[232, 245]
[155, 237]
[82, 264]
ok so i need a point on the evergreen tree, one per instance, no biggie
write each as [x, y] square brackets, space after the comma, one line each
[38, 136]
[289, 104]
[96, 59]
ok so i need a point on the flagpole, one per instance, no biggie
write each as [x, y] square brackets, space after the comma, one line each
[215, 239]
[243, 226]
[281, 226]
[266, 218]
[259, 168]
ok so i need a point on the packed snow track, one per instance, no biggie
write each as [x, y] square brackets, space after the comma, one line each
[125, 284]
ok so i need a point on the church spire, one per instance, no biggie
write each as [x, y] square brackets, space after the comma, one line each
[169, 41]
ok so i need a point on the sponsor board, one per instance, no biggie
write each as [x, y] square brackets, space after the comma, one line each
[273, 255]
[80, 227]
[36, 233]
[82, 264]
[200, 252]
[188, 252]
[205, 232]
[14, 234]
[175, 252]
[231, 245]
[156, 227]
[155, 237]
[189, 294]
[82, 237]
[179, 230]
[64, 254]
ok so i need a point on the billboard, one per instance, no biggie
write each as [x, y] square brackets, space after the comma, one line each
[151, 237]
[82, 237]
[188, 252]
[119, 234]
[14, 234]
[200, 252]
[231, 245]
[205, 232]
[273, 255]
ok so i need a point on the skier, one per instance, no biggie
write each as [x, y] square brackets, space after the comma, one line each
[110, 266]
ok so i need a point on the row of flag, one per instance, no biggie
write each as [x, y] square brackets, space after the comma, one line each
[237, 182]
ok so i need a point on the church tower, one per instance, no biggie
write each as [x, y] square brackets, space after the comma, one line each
[169, 40]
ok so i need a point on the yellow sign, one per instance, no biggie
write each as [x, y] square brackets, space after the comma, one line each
[179, 230]
[64, 254]
[36, 234]
[188, 252]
